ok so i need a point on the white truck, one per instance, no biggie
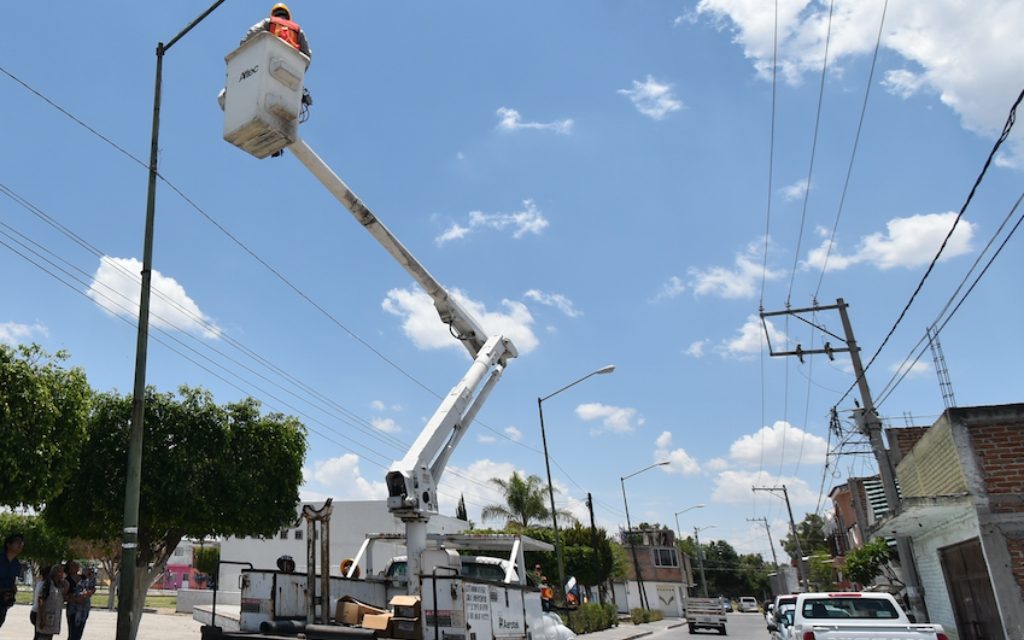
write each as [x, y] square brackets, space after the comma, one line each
[856, 616]
[262, 112]
[704, 613]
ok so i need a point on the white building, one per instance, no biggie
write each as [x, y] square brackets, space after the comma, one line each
[350, 522]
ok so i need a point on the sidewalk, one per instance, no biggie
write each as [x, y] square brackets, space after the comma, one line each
[180, 626]
[628, 631]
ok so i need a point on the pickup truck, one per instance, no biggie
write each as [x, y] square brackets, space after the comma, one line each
[704, 613]
[856, 616]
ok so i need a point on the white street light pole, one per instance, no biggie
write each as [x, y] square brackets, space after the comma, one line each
[700, 558]
[679, 535]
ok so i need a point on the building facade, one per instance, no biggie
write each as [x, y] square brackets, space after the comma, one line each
[666, 572]
[963, 508]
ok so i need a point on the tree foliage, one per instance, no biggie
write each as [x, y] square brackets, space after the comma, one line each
[43, 413]
[864, 564]
[207, 560]
[812, 537]
[207, 471]
[43, 545]
[524, 503]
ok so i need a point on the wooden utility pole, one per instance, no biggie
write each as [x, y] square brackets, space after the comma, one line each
[771, 544]
[870, 425]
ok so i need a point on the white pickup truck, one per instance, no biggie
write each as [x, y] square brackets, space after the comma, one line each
[856, 616]
[704, 613]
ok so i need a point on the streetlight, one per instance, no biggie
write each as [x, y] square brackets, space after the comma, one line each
[679, 535]
[547, 465]
[629, 527]
[700, 557]
[133, 481]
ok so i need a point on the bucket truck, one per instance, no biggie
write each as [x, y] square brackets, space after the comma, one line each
[263, 100]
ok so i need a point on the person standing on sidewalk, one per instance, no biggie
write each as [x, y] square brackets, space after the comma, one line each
[44, 575]
[51, 603]
[10, 571]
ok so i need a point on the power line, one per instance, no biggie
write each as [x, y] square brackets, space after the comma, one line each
[853, 153]
[970, 196]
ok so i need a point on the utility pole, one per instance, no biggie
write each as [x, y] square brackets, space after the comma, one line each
[800, 578]
[593, 542]
[870, 425]
[771, 544]
[700, 562]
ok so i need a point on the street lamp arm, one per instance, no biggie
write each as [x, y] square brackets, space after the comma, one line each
[601, 371]
[647, 468]
[192, 24]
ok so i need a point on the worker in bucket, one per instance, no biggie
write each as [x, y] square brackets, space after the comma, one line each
[280, 24]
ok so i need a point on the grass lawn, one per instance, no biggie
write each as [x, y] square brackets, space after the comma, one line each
[99, 600]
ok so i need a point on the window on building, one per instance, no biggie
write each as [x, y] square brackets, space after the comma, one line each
[178, 552]
[284, 534]
[665, 557]
[298, 534]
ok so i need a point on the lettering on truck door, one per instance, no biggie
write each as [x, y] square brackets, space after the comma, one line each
[508, 613]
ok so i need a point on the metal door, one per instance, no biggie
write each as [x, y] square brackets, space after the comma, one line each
[970, 591]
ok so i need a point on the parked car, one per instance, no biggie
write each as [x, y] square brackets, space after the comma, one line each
[780, 624]
[726, 604]
[748, 604]
[832, 616]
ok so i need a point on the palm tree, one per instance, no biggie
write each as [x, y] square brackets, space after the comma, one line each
[524, 503]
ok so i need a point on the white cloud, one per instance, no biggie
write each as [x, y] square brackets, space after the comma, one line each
[751, 338]
[734, 487]
[670, 289]
[557, 300]
[387, 425]
[342, 479]
[696, 349]
[795, 191]
[781, 443]
[914, 370]
[742, 281]
[115, 289]
[690, 17]
[652, 98]
[13, 333]
[614, 419]
[680, 462]
[486, 439]
[965, 53]
[422, 325]
[514, 434]
[510, 120]
[908, 242]
[377, 405]
[529, 220]
[716, 464]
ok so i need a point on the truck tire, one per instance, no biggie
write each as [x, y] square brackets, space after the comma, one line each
[693, 629]
[721, 630]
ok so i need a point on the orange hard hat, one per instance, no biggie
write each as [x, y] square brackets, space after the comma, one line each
[281, 7]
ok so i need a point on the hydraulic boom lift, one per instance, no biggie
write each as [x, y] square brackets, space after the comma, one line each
[261, 116]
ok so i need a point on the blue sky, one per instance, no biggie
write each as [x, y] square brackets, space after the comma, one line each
[590, 177]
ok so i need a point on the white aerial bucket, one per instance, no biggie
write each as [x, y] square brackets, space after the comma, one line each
[263, 95]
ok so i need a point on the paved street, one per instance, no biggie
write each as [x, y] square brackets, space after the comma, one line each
[740, 626]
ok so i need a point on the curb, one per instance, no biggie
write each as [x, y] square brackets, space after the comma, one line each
[637, 635]
[676, 626]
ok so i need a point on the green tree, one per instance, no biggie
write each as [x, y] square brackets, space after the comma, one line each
[864, 564]
[43, 413]
[208, 471]
[524, 505]
[206, 560]
[620, 561]
[812, 537]
[753, 575]
[43, 545]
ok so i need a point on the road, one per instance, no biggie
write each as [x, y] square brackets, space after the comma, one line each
[738, 626]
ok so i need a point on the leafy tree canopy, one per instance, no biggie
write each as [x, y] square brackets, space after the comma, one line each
[864, 564]
[525, 503]
[43, 545]
[812, 537]
[43, 413]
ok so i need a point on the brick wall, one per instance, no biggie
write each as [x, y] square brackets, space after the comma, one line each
[902, 440]
[999, 450]
[1015, 545]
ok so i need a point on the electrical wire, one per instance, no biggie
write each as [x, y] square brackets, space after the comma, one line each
[1007, 127]
[853, 153]
[255, 256]
[906, 370]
